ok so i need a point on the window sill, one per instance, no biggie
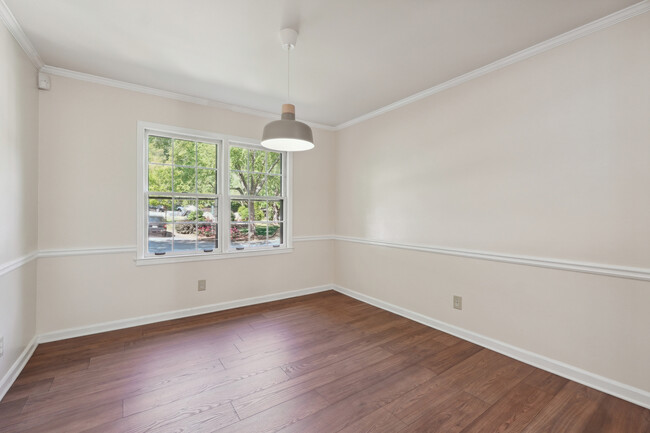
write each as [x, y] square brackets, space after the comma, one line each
[159, 260]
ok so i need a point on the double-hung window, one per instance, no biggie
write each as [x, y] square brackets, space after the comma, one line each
[205, 195]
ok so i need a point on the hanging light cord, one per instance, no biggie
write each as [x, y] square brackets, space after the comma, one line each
[288, 73]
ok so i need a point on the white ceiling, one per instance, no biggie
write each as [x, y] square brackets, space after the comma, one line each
[352, 56]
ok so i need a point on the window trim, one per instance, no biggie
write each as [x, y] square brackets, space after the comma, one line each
[223, 195]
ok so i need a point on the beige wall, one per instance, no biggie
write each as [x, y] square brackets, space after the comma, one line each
[18, 187]
[88, 200]
[548, 157]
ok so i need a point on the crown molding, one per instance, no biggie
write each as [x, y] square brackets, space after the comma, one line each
[571, 35]
[577, 33]
[82, 76]
[14, 28]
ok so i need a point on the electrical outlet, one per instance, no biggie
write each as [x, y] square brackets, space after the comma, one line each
[458, 302]
[201, 285]
[2, 346]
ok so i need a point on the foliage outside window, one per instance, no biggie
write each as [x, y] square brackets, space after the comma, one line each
[256, 205]
[207, 196]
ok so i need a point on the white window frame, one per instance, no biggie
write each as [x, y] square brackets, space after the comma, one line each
[223, 172]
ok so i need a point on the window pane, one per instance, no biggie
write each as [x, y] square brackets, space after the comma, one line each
[275, 211]
[258, 160]
[249, 185]
[238, 235]
[207, 211]
[265, 188]
[159, 237]
[184, 179]
[256, 183]
[273, 186]
[207, 237]
[260, 210]
[276, 236]
[207, 181]
[160, 149]
[184, 237]
[160, 178]
[206, 155]
[185, 209]
[184, 152]
[239, 210]
[238, 158]
[160, 207]
[258, 237]
[237, 186]
[159, 232]
[274, 163]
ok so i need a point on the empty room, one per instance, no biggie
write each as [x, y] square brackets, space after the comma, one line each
[304, 216]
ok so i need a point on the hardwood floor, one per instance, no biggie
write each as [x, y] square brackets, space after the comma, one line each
[319, 363]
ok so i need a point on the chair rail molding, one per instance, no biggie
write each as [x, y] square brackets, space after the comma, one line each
[11, 265]
[608, 270]
[542, 262]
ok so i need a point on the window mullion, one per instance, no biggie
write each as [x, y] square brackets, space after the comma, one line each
[224, 208]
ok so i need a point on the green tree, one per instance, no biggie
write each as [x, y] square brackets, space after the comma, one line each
[256, 173]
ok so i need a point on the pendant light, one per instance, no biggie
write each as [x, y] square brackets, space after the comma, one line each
[287, 134]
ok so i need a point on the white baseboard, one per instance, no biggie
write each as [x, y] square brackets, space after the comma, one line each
[17, 367]
[609, 386]
[176, 314]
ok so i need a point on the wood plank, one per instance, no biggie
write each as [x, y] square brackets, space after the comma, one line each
[487, 375]
[547, 382]
[451, 416]
[494, 385]
[56, 369]
[284, 354]
[322, 358]
[210, 405]
[10, 411]
[425, 397]
[364, 378]
[267, 398]
[41, 404]
[379, 421]
[569, 411]
[31, 388]
[408, 341]
[449, 357]
[423, 349]
[340, 415]
[615, 415]
[227, 386]
[66, 421]
[513, 412]
[143, 366]
[284, 415]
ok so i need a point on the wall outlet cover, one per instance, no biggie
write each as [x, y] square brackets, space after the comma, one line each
[458, 302]
[201, 285]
